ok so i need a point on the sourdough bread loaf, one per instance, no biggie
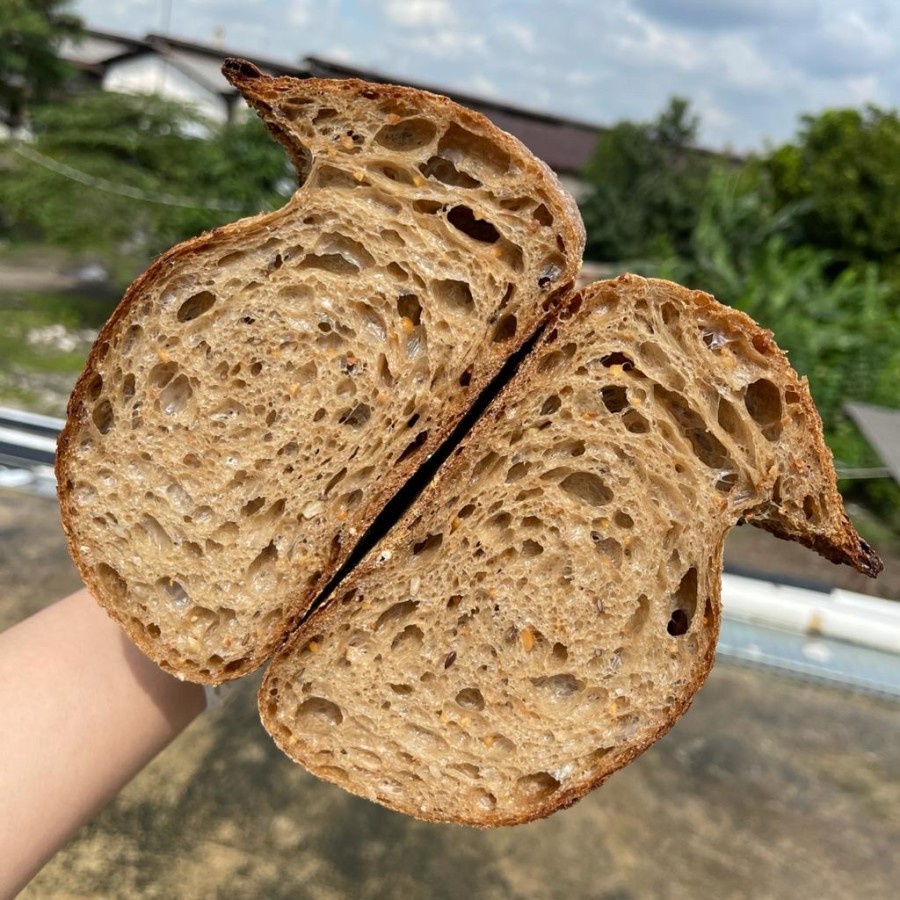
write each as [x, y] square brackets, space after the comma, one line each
[550, 604]
[264, 389]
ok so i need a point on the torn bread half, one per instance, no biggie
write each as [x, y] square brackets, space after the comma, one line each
[263, 390]
[550, 604]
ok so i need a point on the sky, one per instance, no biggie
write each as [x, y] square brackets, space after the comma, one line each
[749, 67]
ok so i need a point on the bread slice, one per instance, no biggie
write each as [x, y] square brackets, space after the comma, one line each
[550, 604]
[263, 390]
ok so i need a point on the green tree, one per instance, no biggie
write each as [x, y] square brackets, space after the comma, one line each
[647, 181]
[119, 173]
[845, 167]
[30, 67]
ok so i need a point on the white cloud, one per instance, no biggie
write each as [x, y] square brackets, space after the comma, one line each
[751, 67]
[864, 89]
[445, 44]
[483, 86]
[300, 12]
[419, 13]
[646, 43]
[578, 78]
[340, 53]
[740, 63]
[522, 34]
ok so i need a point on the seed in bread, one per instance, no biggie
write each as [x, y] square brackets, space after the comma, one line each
[550, 604]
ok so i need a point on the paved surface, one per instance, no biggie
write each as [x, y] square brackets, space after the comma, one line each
[26, 276]
[811, 657]
[766, 788]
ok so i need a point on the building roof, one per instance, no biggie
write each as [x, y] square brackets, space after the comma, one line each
[98, 50]
[96, 47]
[209, 58]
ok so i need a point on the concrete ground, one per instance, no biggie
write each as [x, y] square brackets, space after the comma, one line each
[766, 788]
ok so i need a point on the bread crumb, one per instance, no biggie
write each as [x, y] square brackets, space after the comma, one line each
[359, 175]
[313, 647]
[346, 142]
[527, 636]
[163, 356]
[312, 509]
[406, 325]
[392, 119]
[418, 180]
[488, 741]
[294, 389]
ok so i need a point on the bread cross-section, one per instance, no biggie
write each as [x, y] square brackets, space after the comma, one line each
[264, 389]
[549, 606]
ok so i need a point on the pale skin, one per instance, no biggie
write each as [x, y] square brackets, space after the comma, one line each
[81, 712]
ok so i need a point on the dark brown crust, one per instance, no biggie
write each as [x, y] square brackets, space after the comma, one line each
[263, 93]
[856, 553]
[840, 549]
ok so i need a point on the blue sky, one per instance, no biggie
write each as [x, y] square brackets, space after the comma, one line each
[750, 67]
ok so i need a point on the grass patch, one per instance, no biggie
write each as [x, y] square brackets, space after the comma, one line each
[38, 374]
[23, 316]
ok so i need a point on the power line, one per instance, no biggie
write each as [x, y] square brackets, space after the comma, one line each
[861, 473]
[119, 190]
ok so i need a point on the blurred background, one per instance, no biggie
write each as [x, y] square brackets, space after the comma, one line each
[750, 148]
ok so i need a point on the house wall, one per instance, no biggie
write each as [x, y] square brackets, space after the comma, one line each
[151, 74]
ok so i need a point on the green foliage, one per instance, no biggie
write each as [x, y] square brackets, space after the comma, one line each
[188, 174]
[30, 67]
[647, 181]
[247, 166]
[844, 167]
